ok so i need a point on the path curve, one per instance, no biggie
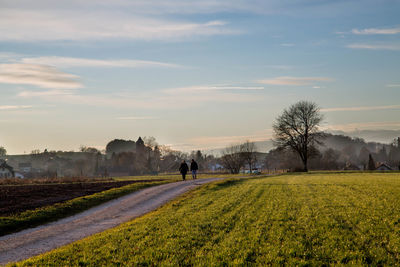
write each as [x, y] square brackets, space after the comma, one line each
[35, 241]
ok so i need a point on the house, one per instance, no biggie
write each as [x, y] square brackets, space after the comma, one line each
[25, 167]
[351, 167]
[384, 167]
[19, 175]
[6, 171]
[216, 167]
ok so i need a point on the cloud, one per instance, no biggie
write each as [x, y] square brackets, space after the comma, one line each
[295, 81]
[210, 88]
[185, 7]
[76, 25]
[155, 7]
[220, 142]
[288, 45]
[71, 62]
[393, 47]
[137, 118]
[393, 85]
[367, 108]
[280, 67]
[376, 31]
[13, 107]
[161, 99]
[45, 93]
[38, 75]
[363, 126]
[8, 56]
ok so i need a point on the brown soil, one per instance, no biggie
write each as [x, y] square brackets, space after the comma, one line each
[18, 198]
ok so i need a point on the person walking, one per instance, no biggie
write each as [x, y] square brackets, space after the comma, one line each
[194, 167]
[183, 169]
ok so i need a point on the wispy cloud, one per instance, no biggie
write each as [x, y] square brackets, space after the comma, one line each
[281, 67]
[202, 89]
[363, 126]
[288, 44]
[393, 85]
[158, 7]
[187, 7]
[295, 81]
[376, 31]
[47, 93]
[76, 25]
[393, 47]
[173, 98]
[14, 107]
[366, 108]
[71, 62]
[219, 142]
[7, 56]
[137, 118]
[38, 75]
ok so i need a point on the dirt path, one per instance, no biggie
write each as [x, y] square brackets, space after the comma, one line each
[31, 242]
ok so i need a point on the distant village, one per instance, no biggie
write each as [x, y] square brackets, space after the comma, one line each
[120, 158]
[146, 157]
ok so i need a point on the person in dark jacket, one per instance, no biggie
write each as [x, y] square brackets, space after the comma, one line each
[184, 169]
[194, 167]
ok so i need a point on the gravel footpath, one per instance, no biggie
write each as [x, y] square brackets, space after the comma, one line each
[31, 242]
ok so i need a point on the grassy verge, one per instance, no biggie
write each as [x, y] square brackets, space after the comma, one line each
[318, 219]
[57, 211]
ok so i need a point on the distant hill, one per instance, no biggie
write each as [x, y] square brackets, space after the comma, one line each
[380, 136]
[264, 146]
[338, 140]
[341, 142]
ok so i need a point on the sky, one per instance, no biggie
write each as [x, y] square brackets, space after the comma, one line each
[193, 74]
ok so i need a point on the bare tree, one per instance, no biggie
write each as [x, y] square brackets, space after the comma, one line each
[35, 152]
[232, 158]
[87, 149]
[3, 151]
[249, 153]
[371, 163]
[150, 141]
[297, 128]
[170, 159]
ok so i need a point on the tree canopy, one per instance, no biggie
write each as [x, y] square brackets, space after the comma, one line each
[297, 129]
[3, 151]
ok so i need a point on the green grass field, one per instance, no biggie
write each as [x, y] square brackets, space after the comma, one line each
[307, 219]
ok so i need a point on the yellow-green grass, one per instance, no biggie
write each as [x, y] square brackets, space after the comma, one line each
[315, 219]
[31, 218]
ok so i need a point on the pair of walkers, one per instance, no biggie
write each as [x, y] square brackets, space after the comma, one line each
[184, 169]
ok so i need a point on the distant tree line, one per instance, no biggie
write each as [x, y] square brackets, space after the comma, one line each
[300, 145]
[338, 152]
[236, 157]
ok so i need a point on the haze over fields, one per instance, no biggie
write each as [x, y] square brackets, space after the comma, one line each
[193, 74]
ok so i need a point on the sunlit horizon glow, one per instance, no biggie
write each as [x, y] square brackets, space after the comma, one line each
[193, 74]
